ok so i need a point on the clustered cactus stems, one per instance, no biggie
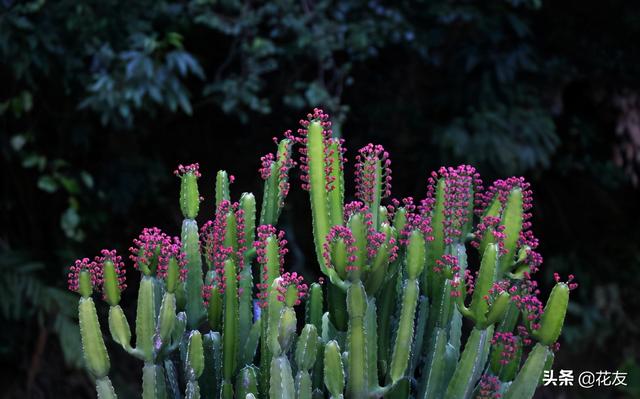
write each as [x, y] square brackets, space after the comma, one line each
[399, 285]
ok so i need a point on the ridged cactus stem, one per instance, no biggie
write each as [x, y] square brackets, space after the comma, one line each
[270, 263]
[314, 311]
[276, 185]
[146, 318]
[526, 382]
[317, 187]
[230, 327]
[166, 320]
[421, 328]
[247, 382]
[333, 370]
[336, 175]
[245, 306]
[431, 281]
[222, 187]
[119, 328]
[314, 306]
[216, 303]
[357, 383]
[247, 204]
[282, 385]
[336, 299]
[386, 310]
[95, 352]
[433, 377]
[471, 364]
[194, 364]
[512, 218]
[410, 293]
[371, 332]
[479, 309]
[194, 282]
[281, 382]
[104, 389]
[153, 382]
[305, 356]
[553, 316]
[211, 378]
[190, 205]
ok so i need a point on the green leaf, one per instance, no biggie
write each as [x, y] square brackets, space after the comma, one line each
[47, 183]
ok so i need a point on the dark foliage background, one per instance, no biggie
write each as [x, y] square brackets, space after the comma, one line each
[100, 99]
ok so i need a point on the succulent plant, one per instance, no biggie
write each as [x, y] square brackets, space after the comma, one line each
[218, 315]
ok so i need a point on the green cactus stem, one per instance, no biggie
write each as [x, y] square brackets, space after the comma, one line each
[230, 326]
[275, 172]
[189, 205]
[526, 382]
[247, 382]
[104, 389]
[481, 311]
[281, 384]
[119, 327]
[433, 380]
[335, 177]
[371, 332]
[214, 301]
[146, 318]
[194, 364]
[506, 353]
[357, 383]
[95, 352]
[410, 293]
[554, 314]
[313, 315]
[471, 364]
[223, 182]
[211, 378]
[333, 370]
[153, 382]
[316, 134]
[193, 284]
[305, 356]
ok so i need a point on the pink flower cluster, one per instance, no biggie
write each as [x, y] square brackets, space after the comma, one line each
[366, 178]
[489, 387]
[375, 239]
[292, 281]
[447, 263]
[118, 265]
[461, 184]
[468, 280]
[264, 232]
[175, 251]
[319, 116]
[153, 245]
[95, 269]
[416, 220]
[286, 163]
[183, 170]
[213, 234]
[80, 265]
[569, 282]
[508, 344]
[341, 233]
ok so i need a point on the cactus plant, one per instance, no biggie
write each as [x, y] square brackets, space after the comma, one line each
[387, 323]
